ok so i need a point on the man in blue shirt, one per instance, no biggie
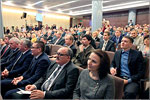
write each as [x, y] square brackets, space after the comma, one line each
[127, 64]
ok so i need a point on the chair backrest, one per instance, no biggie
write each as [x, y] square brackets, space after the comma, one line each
[110, 55]
[54, 49]
[119, 85]
[50, 48]
[80, 68]
[146, 63]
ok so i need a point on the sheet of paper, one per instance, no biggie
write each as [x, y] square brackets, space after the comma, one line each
[23, 91]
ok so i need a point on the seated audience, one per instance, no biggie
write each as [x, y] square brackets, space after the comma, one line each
[95, 36]
[95, 82]
[145, 32]
[140, 31]
[128, 64]
[13, 55]
[58, 40]
[58, 82]
[5, 49]
[138, 40]
[84, 51]
[47, 47]
[34, 39]
[36, 70]
[2, 44]
[69, 42]
[106, 44]
[145, 47]
[117, 37]
[21, 64]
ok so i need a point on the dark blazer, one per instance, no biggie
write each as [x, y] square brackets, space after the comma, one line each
[11, 58]
[36, 70]
[47, 49]
[61, 41]
[109, 47]
[82, 57]
[73, 48]
[7, 52]
[114, 39]
[16, 69]
[135, 63]
[64, 84]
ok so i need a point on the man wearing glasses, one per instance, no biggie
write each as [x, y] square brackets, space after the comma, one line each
[58, 82]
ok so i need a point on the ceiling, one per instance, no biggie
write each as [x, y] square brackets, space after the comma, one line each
[76, 7]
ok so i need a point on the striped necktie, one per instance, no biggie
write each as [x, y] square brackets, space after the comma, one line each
[4, 51]
[48, 83]
[16, 61]
[104, 46]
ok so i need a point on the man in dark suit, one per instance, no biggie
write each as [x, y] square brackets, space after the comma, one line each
[106, 44]
[58, 82]
[47, 47]
[69, 39]
[127, 64]
[36, 70]
[84, 51]
[117, 37]
[58, 40]
[130, 23]
[22, 63]
[5, 50]
[14, 54]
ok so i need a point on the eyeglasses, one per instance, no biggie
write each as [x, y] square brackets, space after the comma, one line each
[59, 54]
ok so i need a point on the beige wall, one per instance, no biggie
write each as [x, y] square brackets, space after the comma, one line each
[12, 17]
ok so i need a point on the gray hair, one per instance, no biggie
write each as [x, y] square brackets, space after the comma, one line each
[70, 53]
[26, 42]
[70, 37]
[15, 39]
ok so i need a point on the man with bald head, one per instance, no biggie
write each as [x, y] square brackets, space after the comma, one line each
[58, 82]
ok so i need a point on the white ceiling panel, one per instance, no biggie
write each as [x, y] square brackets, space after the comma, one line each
[74, 6]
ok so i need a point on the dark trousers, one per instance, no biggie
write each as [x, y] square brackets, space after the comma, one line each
[19, 96]
[7, 86]
[131, 90]
[12, 94]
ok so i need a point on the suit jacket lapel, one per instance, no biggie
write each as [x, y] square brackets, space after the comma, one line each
[51, 71]
[130, 56]
[61, 73]
[106, 48]
[101, 44]
[119, 58]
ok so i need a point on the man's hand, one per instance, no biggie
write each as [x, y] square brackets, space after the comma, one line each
[5, 73]
[16, 80]
[113, 71]
[81, 47]
[37, 94]
[30, 87]
[125, 82]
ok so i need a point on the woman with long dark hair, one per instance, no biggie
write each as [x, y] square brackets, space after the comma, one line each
[95, 82]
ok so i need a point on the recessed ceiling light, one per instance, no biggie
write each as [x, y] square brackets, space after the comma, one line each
[63, 4]
[9, 3]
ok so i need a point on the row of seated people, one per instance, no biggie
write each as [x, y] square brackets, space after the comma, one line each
[107, 42]
[36, 70]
